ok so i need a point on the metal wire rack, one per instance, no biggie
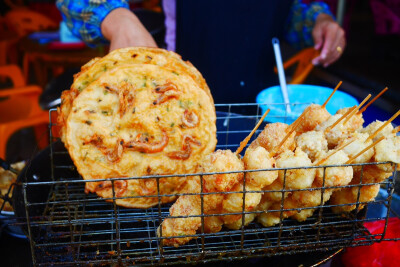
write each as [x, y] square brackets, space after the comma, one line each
[66, 226]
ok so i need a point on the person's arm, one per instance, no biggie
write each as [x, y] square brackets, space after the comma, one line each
[124, 29]
[313, 25]
[103, 22]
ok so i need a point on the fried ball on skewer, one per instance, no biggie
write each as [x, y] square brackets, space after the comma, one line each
[387, 131]
[388, 150]
[233, 202]
[272, 135]
[356, 146]
[248, 218]
[254, 159]
[315, 114]
[218, 161]
[276, 194]
[349, 196]
[270, 217]
[309, 199]
[259, 158]
[355, 122]
[369, 174]
[334, 176]
[295, 178]
[334, 135]
[312, 142]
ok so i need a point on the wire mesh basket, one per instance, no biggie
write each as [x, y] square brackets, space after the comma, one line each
[67, 226]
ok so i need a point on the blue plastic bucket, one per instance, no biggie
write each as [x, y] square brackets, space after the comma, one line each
[300, 96]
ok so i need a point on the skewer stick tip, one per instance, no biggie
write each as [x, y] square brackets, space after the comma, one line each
[334, 90]
[373, 100]
[246, 140]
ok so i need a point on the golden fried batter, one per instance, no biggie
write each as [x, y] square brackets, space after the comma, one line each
[272, 135]
[218, 161]
[139, 120]
[92, 70]
[314, 115]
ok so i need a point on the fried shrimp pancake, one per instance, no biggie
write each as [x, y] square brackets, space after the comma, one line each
[92, 70]
[139, 120]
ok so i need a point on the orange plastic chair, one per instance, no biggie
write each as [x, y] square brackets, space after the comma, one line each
[19, 108]
[304, 66]
[25, 21]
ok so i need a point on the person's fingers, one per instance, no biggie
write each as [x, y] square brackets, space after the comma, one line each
[317, 36]
[333, 45]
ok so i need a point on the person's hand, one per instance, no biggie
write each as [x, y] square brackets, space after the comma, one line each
[123, 29]
[329, 38]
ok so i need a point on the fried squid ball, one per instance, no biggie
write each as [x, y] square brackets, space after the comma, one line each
[369, 174]
[312, 142]
[334, 135]
[334, 176]
[233, 202]
[218, 161]
[276, 195]
[259, 158]
[271, 137]
[309, 199]
[314, 115]
[271, 217]
[295, 178]
[356, 146]
[248, 218]
[349, 196]
[355, 122]
[388, 150]
[387, 131]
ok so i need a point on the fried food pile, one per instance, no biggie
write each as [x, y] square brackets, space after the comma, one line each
[137, 112]
[290, 181]
[7, 178]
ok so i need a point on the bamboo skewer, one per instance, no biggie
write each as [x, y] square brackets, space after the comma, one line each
[359, 106]
[383, 126]
[373, 100]
[329, 98]
[246, 140]
[396, 130]
[365, 149]
[333, 152]
[293, 128]
[340, 119]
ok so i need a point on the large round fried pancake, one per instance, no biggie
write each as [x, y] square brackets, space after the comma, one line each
[139, 120]
[133, 55]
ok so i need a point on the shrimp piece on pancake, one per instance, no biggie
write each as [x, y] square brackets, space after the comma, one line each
[272, 135]
[334, 176]
[314, 115]
[355, 122]
[218, 161]
[349, 196]
[312, 142]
